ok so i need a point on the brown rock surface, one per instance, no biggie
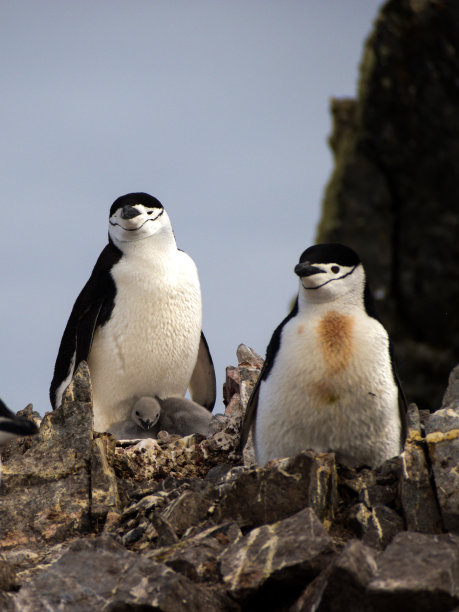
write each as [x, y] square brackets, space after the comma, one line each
[167, 524]
[418, 572]
[268, 566]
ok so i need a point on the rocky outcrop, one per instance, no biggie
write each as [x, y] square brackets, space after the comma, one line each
[443, 443]
[415, 572]
[60, 483]
[393, 193]
[269, 565]
[188, 523]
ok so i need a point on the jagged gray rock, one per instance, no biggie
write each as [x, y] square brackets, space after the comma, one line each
[196, 557]
[417, 495]
[8, 580]
[246, 356]
[442, 436]
[185, 515]
[100, 574]
[250, 364]
[187, 510]
[451, 396]
[267, 567]
[417, 572]
[375, 526]
[58, 484]
[343, 584]
[278, 490]
[371, 511]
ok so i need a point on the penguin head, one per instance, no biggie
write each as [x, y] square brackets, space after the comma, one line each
[136, 216]
[330, 271]
[145, 412]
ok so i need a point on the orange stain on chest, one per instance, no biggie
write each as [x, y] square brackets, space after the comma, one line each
[324, 392]
[335, 340]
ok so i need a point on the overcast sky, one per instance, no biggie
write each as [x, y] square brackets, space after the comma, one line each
[218, 108]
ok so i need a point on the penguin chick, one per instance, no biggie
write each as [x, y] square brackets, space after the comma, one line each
[137, 321]
[142, 422]
[182, 416]
[328, 382]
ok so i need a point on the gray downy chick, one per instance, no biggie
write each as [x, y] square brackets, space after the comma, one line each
[182, 416]
[142, 422]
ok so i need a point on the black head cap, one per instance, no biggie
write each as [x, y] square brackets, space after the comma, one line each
[331, 252]
[130, 199]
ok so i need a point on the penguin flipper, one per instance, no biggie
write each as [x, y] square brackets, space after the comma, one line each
[202, 385]
[403, 410]
[6, 412]
[85, 332]
[402, 403]
[11, 423]
[92, 308]
[271, 352]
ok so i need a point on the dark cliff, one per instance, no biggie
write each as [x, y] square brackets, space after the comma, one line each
[393, 195]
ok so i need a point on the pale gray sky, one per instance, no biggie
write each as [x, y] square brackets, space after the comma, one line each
[218, 108]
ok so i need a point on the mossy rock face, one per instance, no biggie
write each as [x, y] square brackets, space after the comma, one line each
[393, 193]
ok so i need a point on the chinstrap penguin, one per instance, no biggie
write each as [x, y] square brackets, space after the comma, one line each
[328, 382]
[137, 321]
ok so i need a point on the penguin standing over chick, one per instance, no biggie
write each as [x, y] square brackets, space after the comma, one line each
[137, 321]
[328, 382]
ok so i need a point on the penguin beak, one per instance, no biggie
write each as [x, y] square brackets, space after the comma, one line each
[304, 269]
[129, 212]
[147, 423]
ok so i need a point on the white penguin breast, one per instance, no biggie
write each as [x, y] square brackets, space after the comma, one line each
[331, 383]
[331, 355]
[150, 344]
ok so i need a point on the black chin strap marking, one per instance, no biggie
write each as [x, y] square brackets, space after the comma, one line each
[135, 229]
[329, 281]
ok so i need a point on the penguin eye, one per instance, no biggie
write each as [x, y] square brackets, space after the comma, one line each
[335, 269]
[137, 413]
[149, 212]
